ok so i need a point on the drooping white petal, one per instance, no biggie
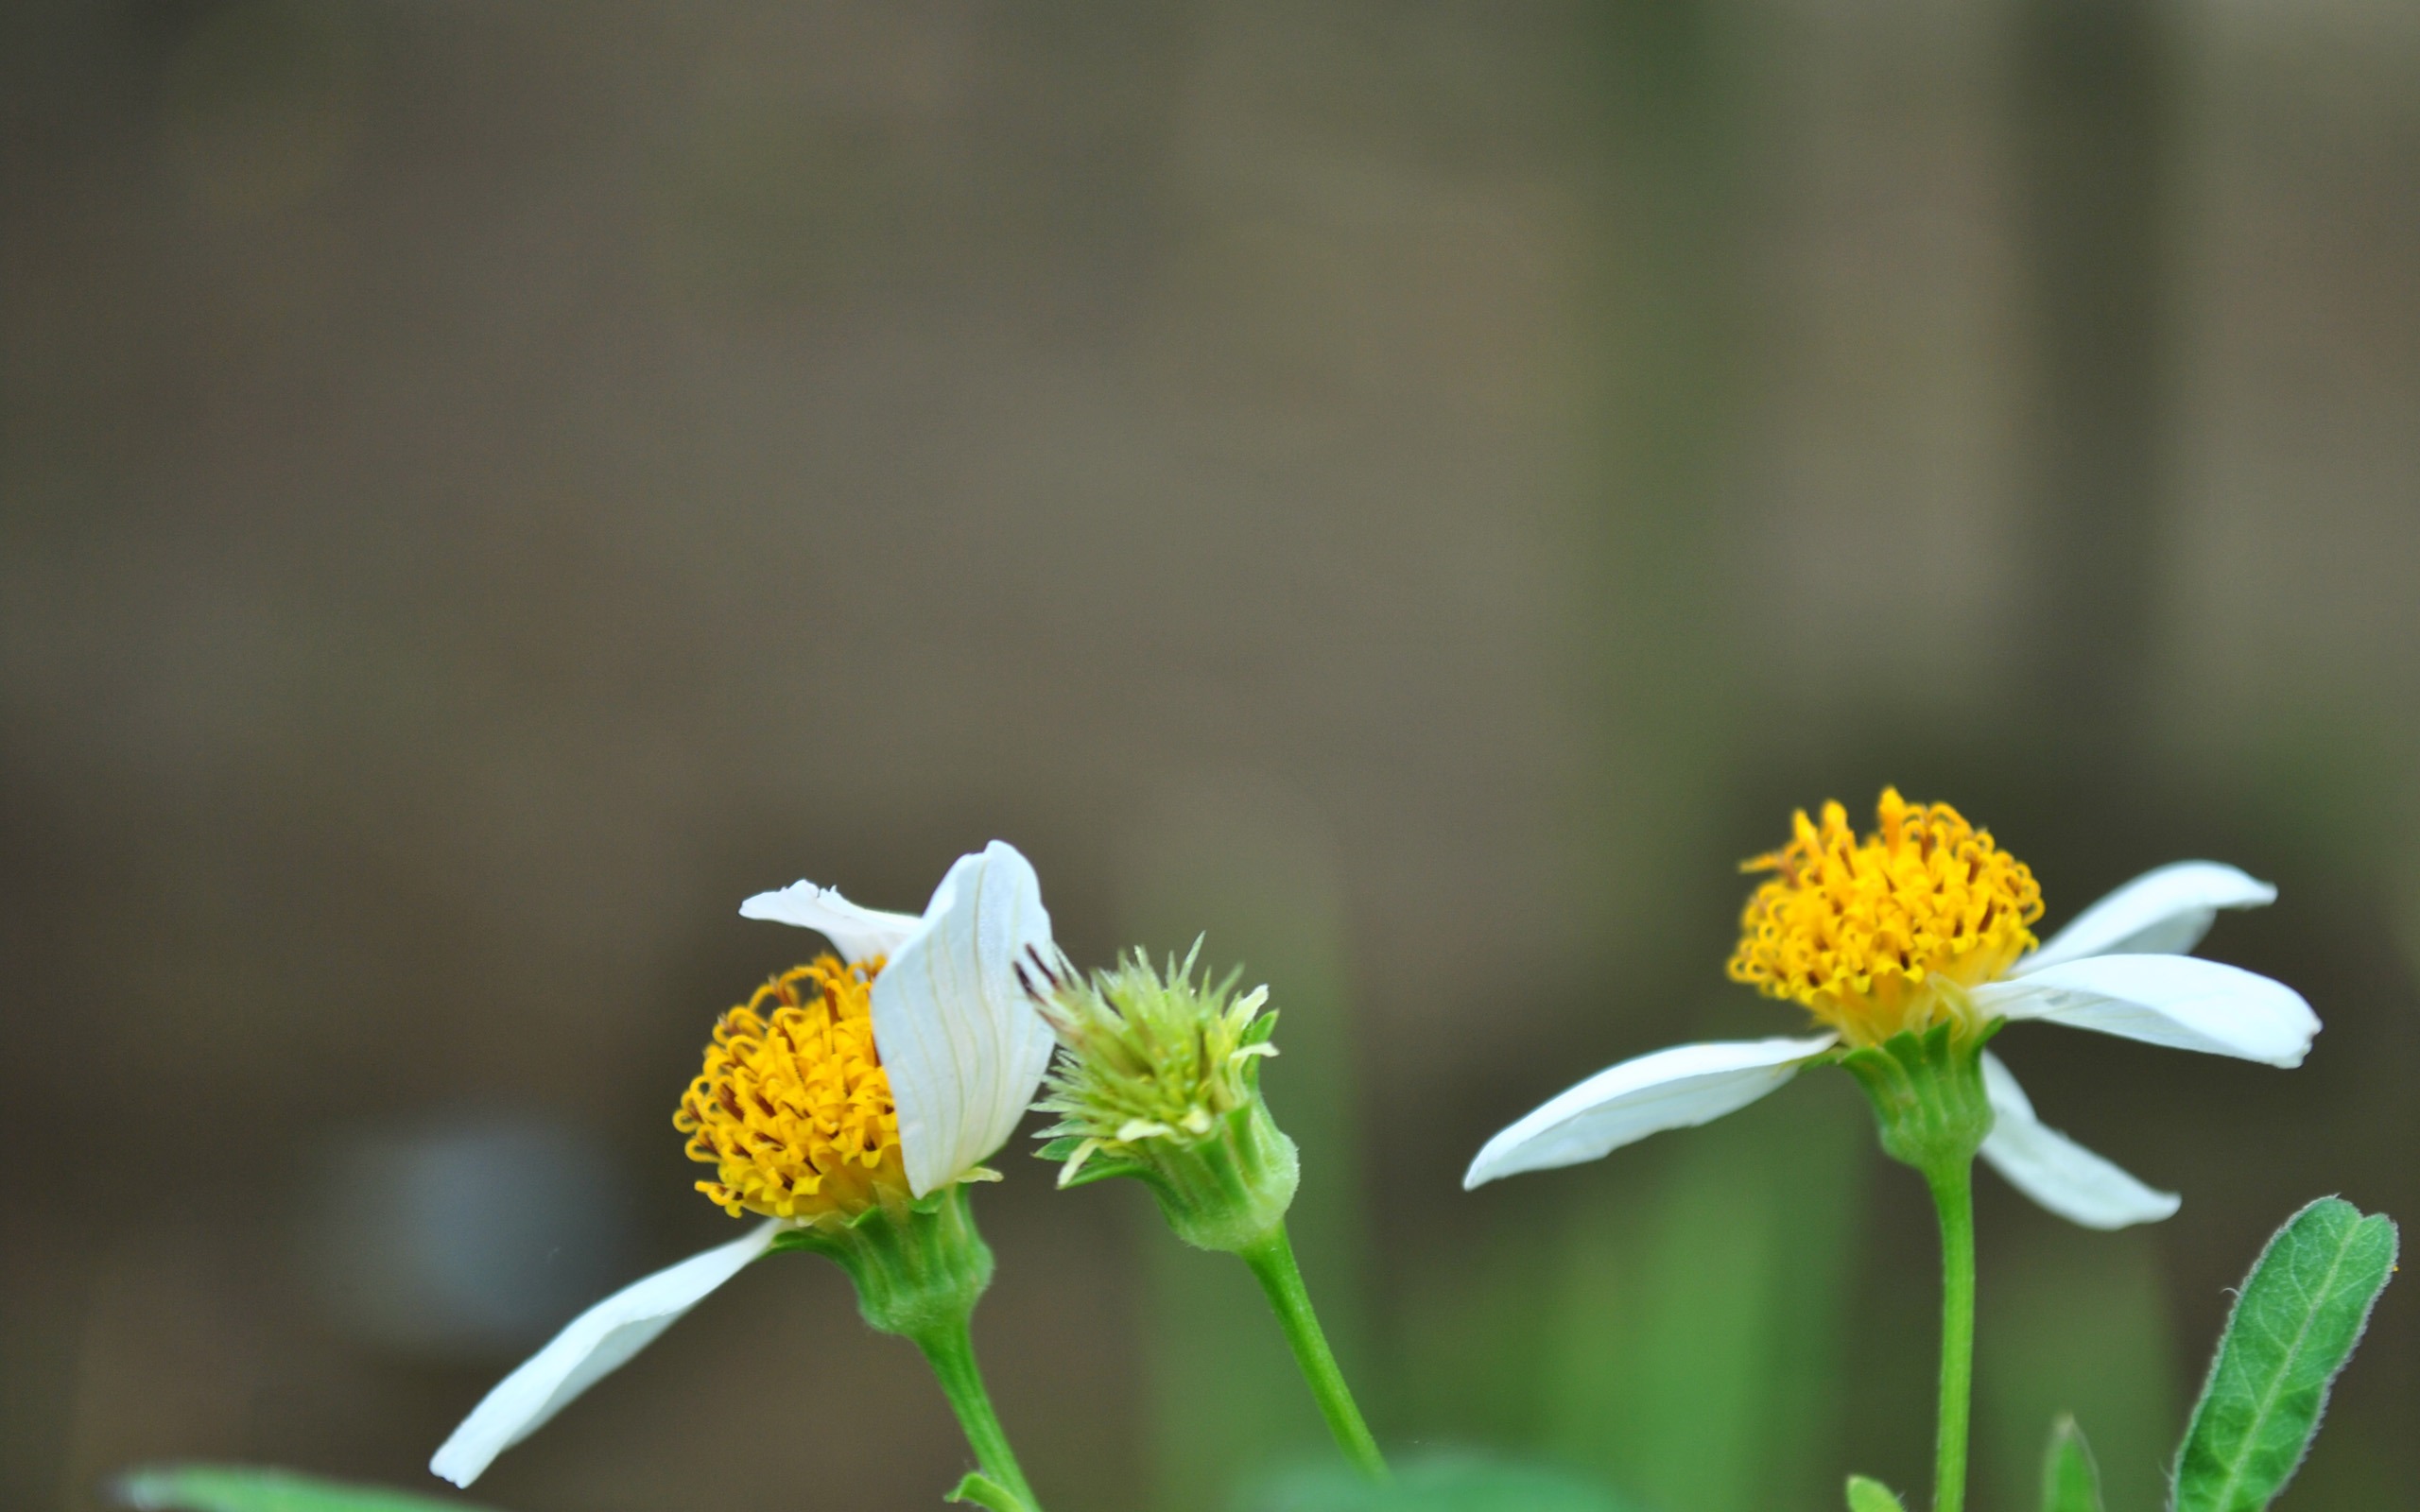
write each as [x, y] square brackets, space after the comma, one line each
[2165, 912]
[856, 932]
[2179, 1000]
[963, 1046]
[591, 1347]
[2057, 1172]
[1679, 1088]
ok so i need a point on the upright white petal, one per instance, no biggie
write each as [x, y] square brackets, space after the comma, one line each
[2163, 912]
[2178, 1001]
[2057, 1172]
[1679, 1088]
[591, 1347]
[963, 1046]
[856, 932]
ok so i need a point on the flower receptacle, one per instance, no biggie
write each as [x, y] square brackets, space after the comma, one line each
[919, 1268]
[1229, 1188]
[1927, 1093]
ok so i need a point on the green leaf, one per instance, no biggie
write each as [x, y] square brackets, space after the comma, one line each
[1869, 1495]
[986, 1492]
[1437, 1482]
[245, 1488]
[2071, 1481]
[2295, 1323]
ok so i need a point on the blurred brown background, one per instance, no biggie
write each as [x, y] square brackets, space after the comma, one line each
[1418, 490]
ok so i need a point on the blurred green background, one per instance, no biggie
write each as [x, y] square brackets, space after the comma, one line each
[1418, 490]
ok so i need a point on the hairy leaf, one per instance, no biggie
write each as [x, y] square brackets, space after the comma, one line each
[2071, 1481]
[248, 1488]
[1869, 1495]
[2295, 1323]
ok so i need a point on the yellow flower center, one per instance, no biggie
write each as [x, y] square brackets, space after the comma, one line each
[1885, 934]
[793, 1108]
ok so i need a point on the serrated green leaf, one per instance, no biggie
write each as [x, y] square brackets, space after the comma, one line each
[1869, 1495]
[1439, 1482]
[249, 1489]
[2071, 1481]
[2295, 1325]
[983, 1491]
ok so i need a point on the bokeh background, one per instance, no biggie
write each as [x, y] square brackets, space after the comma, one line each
[1417, 490]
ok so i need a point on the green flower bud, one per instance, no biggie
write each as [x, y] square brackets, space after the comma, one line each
[1159, 1078]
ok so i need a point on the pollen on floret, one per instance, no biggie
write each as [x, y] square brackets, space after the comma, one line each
[1885, 933]
[793, 1108]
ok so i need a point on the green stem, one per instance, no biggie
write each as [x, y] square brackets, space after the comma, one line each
[1953, 1197]
[1272, 1259]
[950, 1348]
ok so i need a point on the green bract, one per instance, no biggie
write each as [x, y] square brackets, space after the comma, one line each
[918, 1268]
[1927, 1094]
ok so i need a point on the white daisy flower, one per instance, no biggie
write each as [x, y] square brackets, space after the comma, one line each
[869, 1082]
[1924, 923]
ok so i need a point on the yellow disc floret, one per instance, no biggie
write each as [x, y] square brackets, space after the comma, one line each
[793, 1107]
[1885, 934]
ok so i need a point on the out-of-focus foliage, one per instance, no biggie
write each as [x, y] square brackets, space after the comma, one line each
[1866, 1494]
[2071, 1481]
[243, 1489]
[1433, 1482]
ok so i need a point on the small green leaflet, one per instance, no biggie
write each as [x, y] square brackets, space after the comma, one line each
[1867, 1494]
[983, 1491]
[2071, 1481]
[2300, 1314]
[246, 1488]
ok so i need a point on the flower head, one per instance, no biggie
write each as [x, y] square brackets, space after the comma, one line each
[1881, 937]
[1923, 929]
[793, 1108]
[960, 1042]
[844, 1102]
[1149, 1057]
[1158, 1077]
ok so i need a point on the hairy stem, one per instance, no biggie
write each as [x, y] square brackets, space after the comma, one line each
[1953, 1199]
[950, 1348]
[1272, 1259]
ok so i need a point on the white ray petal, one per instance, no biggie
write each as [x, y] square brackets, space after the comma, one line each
[2179, 1000]
[856, 932]
[963, 1046]
[2057, 1172]
[1679, 1088]
[591, 1347]
[2165, 912]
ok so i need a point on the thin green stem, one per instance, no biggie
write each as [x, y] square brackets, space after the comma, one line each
[1953, 1199]
[1272, 1259]
[950, 1348]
